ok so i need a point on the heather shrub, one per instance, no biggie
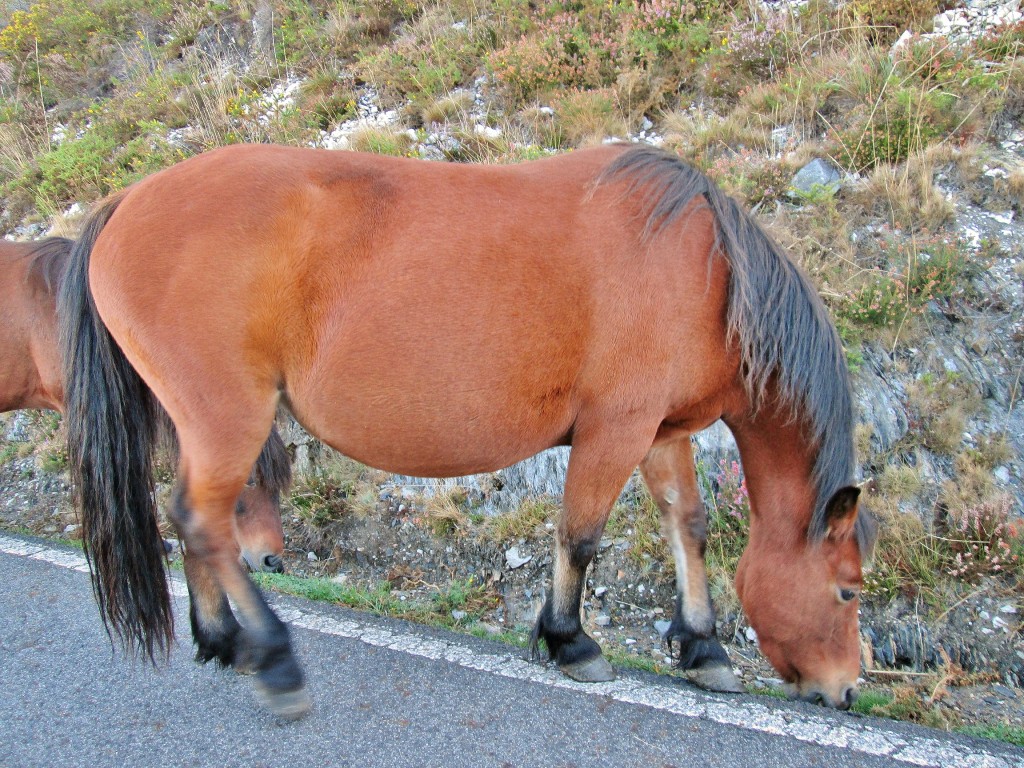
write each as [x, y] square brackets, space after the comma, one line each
[910, 277]
[751, 176]
[728, 504]
[885, 20]
[564, 51]
[1002, 43]
[749, 51]
[982, 540]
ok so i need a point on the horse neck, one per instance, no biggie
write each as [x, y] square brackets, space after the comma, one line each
[778, 465]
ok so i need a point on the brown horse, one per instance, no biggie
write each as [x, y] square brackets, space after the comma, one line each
[441, 319]
[31, 377]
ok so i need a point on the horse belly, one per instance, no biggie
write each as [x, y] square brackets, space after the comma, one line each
[418, 386]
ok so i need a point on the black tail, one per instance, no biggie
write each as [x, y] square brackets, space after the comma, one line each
[111, 427]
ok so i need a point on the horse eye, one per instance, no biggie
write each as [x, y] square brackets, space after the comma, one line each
[846, 595]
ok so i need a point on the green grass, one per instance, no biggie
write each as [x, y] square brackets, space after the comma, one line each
[868, 702]
[1011, 734]
[467, 596]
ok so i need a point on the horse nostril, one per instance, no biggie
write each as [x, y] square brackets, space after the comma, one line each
[849, 696]
[273, 564]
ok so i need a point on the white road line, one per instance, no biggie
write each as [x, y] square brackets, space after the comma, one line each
[823, 731]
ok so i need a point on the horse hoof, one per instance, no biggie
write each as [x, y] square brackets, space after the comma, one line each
[289, 705]
[595, 670]
[719, 678]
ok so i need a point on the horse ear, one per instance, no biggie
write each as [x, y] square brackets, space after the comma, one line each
[841, 513]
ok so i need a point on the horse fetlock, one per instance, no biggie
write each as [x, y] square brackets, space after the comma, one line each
[216, 639]
[697, 647]
[577, 654]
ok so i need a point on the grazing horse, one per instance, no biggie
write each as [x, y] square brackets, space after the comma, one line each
[444, 319]
[31, 377]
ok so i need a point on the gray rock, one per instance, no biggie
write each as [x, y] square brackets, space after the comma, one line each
[603, 620]
[819, 174]
[662, 627]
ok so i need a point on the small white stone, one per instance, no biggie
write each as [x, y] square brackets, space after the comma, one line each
[514, 559]
[751, 635]
[486, 131]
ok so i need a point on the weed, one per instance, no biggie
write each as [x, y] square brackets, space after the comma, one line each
[884, 20]
[908, 558]
[381, 142]
[340, 487]
[470, 597]
[525, 522]
[445, 513]
[8, 453]
[906, 703]
[54, 460]
[585, 117]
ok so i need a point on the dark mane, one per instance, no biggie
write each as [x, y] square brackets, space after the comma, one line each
[49, 259]
[273, 469]
[775, 316]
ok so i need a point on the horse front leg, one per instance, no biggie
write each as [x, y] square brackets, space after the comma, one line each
[669, 473]
[597, 472]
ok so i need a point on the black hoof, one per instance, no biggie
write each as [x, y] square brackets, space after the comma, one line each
[577, 654]
[703, 657]
[595, 670]
[280, 686]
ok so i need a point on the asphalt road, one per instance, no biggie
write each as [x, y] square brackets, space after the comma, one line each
[386, 693]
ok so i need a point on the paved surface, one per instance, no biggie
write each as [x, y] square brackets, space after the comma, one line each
[386, 694]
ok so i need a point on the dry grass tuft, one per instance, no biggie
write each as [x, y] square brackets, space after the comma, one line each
[906, 195]
[527, 521]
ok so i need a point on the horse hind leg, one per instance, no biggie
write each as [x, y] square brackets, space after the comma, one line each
[669, 473]
[216, 633]
[260, 642]
[597, 472]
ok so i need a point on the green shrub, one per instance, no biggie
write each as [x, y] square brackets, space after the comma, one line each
[97, 164]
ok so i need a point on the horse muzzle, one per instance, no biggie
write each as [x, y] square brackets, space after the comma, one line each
[267, 563]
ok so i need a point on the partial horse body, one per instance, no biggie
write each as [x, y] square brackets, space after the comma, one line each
[441, 319]
[31, 377]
